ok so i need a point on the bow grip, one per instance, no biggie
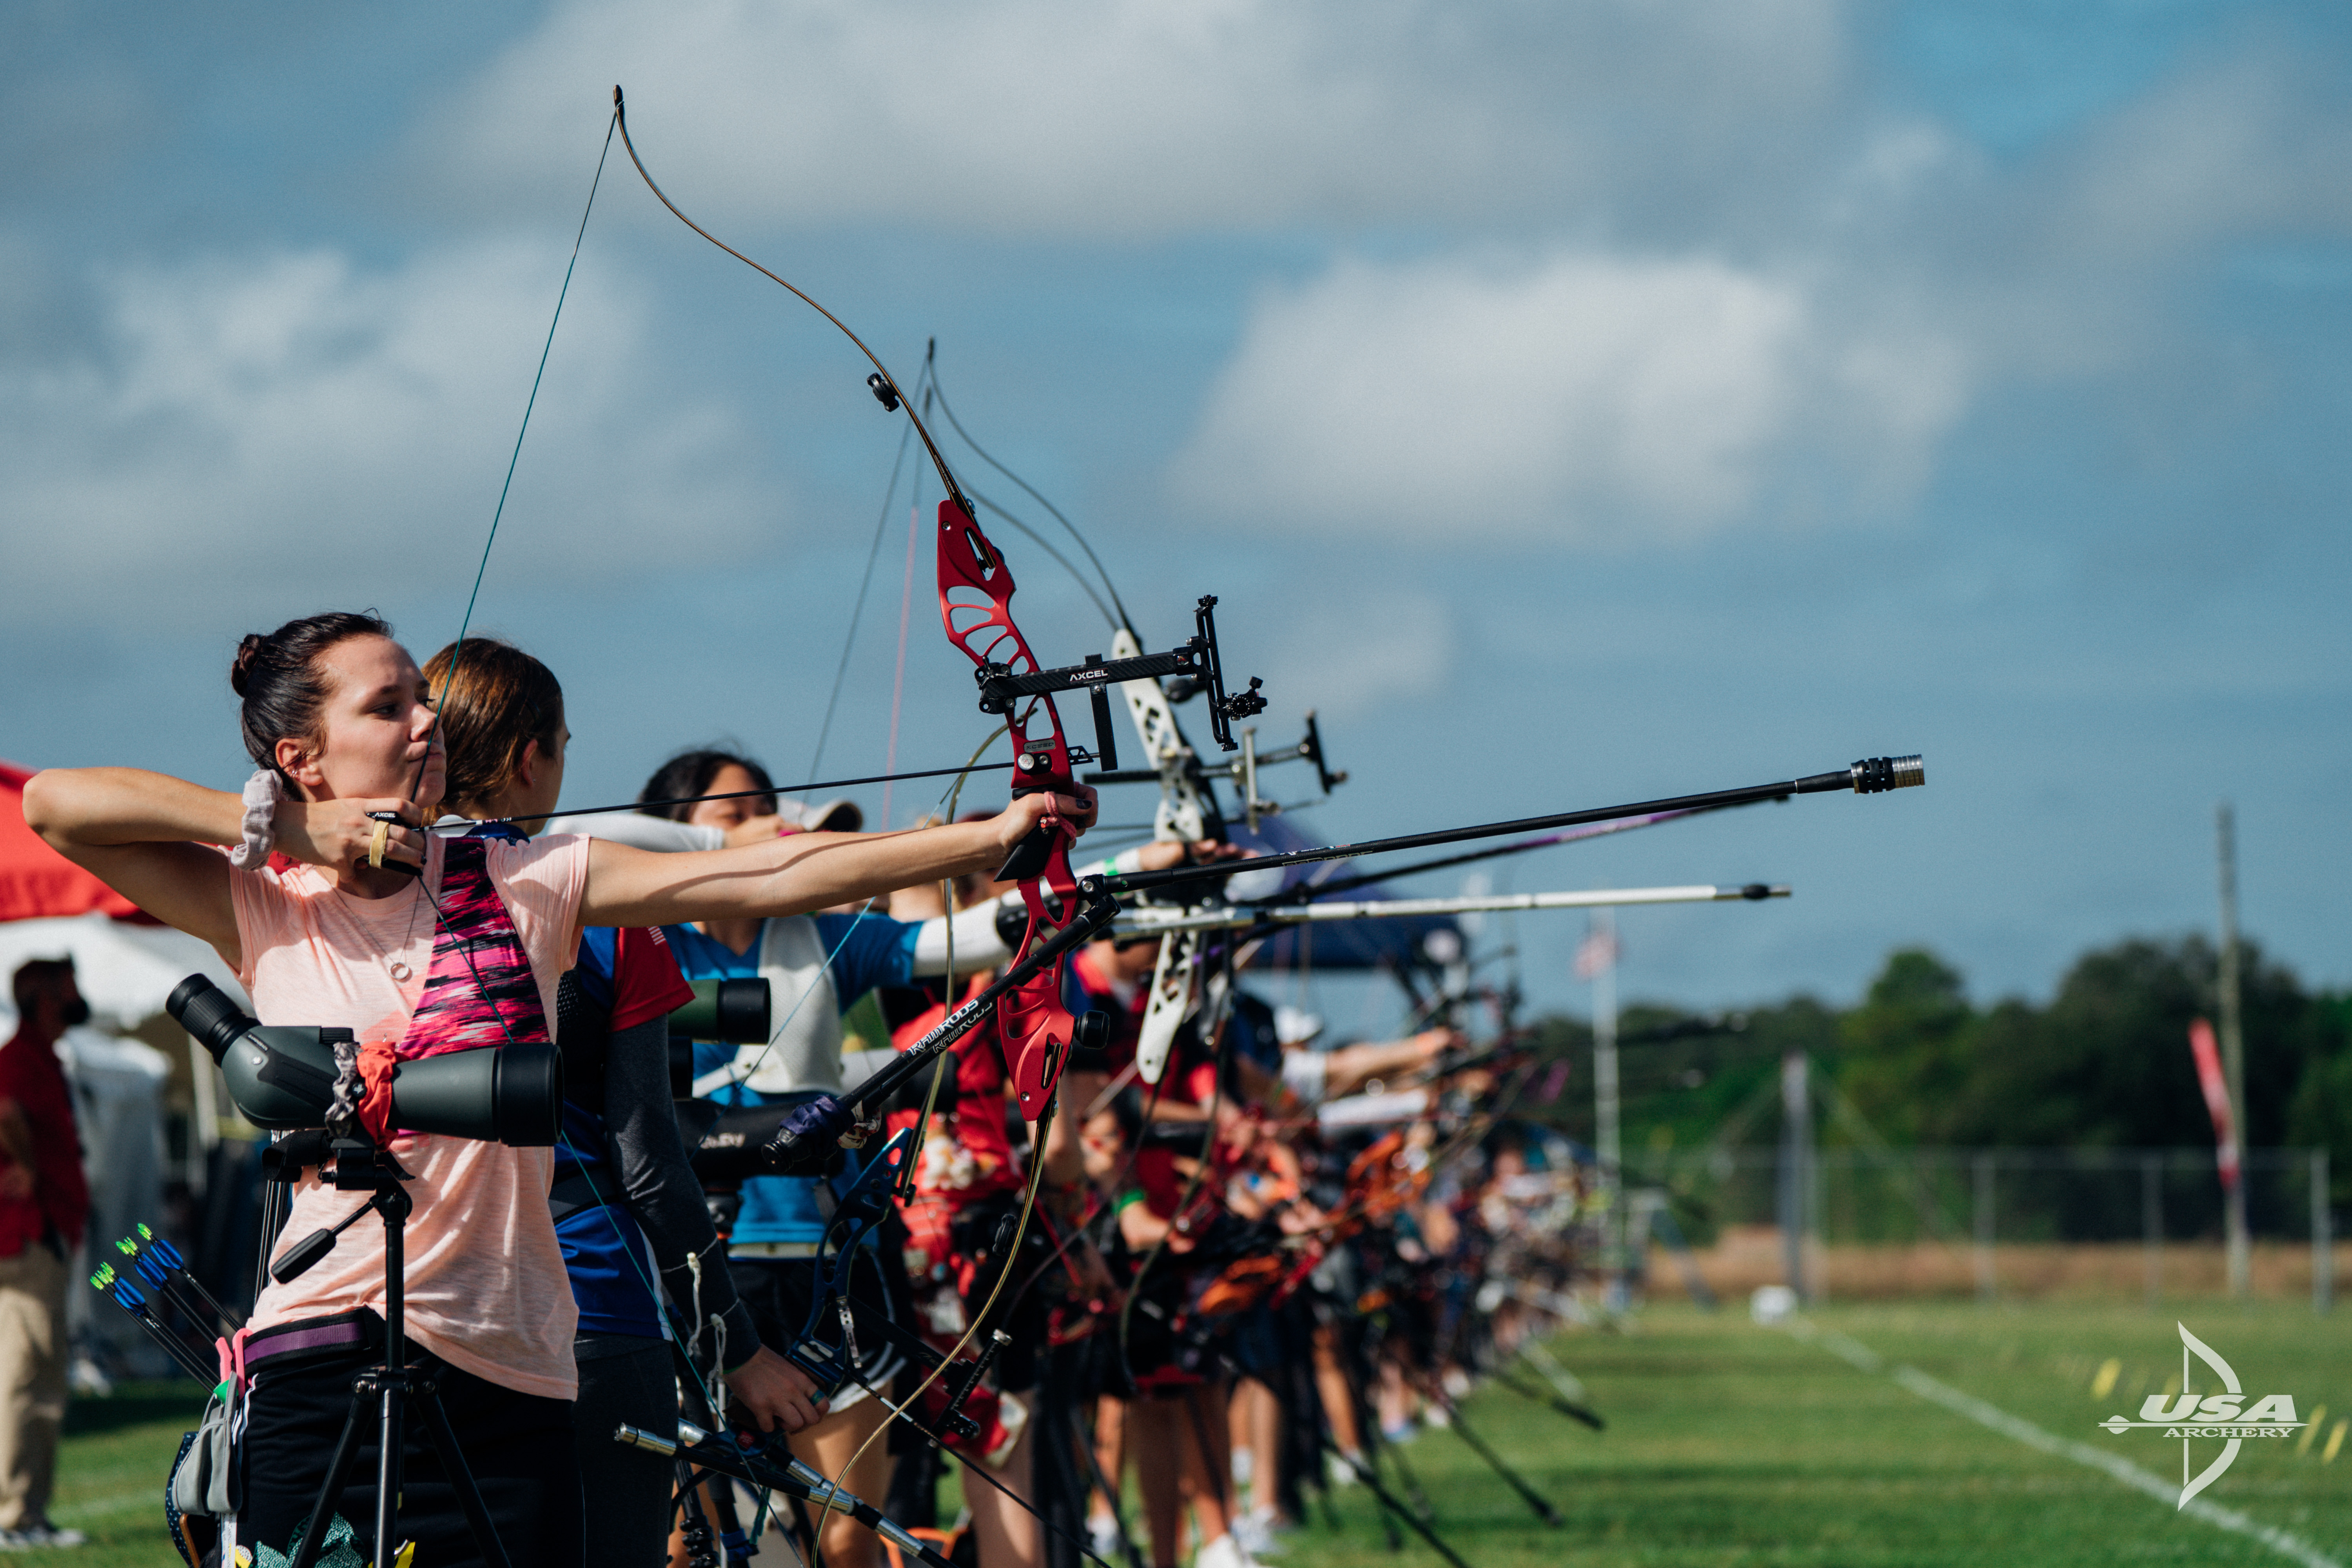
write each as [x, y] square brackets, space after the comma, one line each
[1029, 858]
[1035, 773]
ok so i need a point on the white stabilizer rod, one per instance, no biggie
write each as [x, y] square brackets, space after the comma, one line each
[1145, 918]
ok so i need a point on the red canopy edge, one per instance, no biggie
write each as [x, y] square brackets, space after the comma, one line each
[38, 883]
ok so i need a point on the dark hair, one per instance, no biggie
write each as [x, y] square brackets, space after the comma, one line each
[498, 702]
[37, 976]
[690, 773]
[278, 677]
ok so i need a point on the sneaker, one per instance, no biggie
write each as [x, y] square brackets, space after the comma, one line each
[1401, 1434]
[1255, 1530]
[33, 1537]
[1224, 1551]
[1102, 1537]
[1341, 1469]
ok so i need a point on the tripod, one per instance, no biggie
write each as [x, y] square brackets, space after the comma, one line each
[392, 1387]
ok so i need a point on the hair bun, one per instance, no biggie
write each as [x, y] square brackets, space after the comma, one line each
[247, 650]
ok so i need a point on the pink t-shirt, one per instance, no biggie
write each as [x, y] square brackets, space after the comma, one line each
[486, 1287]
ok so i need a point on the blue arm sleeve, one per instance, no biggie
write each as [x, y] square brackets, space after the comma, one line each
[869, 950]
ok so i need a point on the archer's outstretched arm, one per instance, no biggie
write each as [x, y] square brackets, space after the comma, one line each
[805, 872]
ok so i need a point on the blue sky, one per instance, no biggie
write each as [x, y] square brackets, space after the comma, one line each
[1573, 404]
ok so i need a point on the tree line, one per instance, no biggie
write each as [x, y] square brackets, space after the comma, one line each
[2104, 1063]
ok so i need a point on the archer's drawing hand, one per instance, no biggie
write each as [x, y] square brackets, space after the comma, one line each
[337, 832]
[776, 1394]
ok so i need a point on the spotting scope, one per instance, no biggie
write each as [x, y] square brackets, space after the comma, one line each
[282, 1076]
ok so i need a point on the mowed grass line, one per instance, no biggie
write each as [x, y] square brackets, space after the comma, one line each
[1734, 1445]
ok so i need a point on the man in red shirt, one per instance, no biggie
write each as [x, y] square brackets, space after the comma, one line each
[43, 1202]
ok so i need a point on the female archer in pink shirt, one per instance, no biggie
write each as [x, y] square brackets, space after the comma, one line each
[329, 930]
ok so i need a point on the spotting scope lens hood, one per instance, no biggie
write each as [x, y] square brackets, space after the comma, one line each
[282, 1076]
[732, 1011]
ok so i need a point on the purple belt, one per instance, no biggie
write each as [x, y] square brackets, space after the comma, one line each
[326, 1334]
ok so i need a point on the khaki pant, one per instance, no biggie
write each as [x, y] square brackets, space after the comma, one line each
[32, 1383]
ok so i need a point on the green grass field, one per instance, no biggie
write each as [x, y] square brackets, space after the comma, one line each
[110, 1475]
[1728, 1445]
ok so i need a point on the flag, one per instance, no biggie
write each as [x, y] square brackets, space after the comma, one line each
[1596, 953]
[2217, 1099]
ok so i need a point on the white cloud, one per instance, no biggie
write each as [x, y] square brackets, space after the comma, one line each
[1384, 645]
[1582, 397]
[1143, 117]
[295, 418]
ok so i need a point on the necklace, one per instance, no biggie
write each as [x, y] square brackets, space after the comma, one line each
[399, 971]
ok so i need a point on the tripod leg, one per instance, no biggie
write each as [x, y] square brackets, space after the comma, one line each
[701, 1549]
[390, 1434]
[1511, 1478]
[1374, 1446]
[1371, 1480]
[461, 1478]
[1110, 1494]
[1552, 1401]
[1368, 1426]
[732, 1542]
[330, 1490]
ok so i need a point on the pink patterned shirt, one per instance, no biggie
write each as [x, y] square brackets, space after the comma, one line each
[487, 1290]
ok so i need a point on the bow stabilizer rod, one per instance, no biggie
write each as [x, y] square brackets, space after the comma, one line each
[1871, 775]
[1147, 918]
[711, 1451]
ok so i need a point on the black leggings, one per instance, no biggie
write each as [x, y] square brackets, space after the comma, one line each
[518, 1446]
[628, 1490]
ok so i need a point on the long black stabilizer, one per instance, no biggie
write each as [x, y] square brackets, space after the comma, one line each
[1872, 775]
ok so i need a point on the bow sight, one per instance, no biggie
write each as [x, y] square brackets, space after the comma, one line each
[1189, 667]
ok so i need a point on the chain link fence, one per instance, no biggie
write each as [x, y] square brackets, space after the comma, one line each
[1889, 1221]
